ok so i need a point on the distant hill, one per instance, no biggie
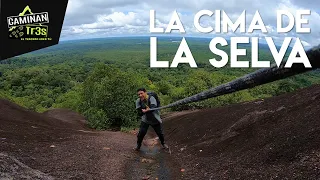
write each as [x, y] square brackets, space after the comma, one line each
[133, 41]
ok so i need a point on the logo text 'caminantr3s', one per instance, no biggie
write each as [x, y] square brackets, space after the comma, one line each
[28, 26]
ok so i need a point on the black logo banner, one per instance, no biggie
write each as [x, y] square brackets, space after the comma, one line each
[29, 25]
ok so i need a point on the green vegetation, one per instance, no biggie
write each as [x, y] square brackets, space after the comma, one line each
[99, 77]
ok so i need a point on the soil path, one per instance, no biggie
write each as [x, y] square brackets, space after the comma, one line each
[152, 162]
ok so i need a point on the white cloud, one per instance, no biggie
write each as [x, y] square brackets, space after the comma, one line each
[96, 18]
[306, 44]
[116, 19]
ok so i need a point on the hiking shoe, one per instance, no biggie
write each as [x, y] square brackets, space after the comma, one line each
[137, 148]
[165, 146]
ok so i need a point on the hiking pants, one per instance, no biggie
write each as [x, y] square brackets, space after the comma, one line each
[143, 131]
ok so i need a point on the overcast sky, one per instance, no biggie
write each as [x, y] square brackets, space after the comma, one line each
[100, 18]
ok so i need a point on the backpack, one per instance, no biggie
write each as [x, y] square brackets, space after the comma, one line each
[155, 95]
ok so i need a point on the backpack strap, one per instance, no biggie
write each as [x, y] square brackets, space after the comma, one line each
[149, 96]
[148, 100]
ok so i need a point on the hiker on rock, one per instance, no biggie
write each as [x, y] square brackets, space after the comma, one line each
[145, 102]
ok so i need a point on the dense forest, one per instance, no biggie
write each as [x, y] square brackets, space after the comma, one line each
[99, 77]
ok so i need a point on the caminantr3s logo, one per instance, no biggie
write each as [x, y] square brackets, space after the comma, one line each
[29, 26]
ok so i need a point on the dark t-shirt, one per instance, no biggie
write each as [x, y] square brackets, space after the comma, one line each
[152, 117]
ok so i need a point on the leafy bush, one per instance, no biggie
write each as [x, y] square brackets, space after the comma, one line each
[97, 118]
[113, 92]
